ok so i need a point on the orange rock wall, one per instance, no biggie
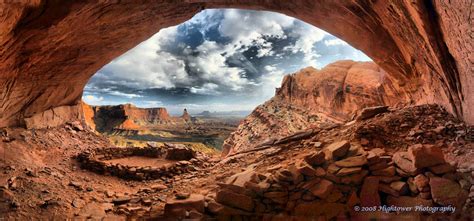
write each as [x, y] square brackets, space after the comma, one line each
[125, 117]
[312, 97]
[340, 89]
[49, 49]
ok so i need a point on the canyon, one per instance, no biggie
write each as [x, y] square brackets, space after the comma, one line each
[130, 125]
[325, 140]
[396, 132]
[310, 97]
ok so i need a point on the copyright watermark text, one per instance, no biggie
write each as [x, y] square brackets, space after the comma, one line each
[392, 208]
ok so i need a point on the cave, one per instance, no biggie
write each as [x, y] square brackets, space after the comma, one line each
[417, 152]
[51, 49]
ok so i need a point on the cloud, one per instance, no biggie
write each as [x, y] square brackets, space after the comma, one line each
[91, 99]
[270, 80]
[208, 88]
[148, 104]
[236, 57]
[121, 94]
[212, 67]
[306, 36]
[333, 42]
[145, 67]
[246, 26]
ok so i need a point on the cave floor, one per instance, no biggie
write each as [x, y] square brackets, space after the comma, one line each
[141, 161]
[41, 180]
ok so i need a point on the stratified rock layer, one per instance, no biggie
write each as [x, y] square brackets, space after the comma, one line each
[313, 97]
[49, 50]
[127, 117]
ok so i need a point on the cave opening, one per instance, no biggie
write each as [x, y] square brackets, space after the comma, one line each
[217, 67]
[338, 140]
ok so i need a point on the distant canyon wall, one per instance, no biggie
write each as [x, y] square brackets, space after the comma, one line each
[50, 48]
[312, 97]
[128, 117]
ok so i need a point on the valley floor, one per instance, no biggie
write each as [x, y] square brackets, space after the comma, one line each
[40, 179]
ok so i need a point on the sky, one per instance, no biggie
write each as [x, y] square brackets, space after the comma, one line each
[220, 60]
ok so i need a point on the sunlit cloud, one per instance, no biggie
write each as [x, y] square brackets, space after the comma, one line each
[221, 58]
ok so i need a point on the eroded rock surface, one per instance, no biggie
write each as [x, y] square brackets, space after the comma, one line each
[309, 97]
[128, 117]
[50, 50]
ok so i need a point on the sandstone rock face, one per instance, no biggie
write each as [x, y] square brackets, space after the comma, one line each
[50, 50]
[127, 117]
[315, 97]
[186, 115]
[54, 117]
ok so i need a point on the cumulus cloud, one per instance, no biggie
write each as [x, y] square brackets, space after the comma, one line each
[146, 66]
[127, 95]
[233, 56]
[246, 26]
[306, 36]
[208, 88]
[333, 42]
[91, 99]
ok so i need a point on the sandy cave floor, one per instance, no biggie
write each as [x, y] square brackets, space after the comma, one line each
[140, 161]
[39, 174]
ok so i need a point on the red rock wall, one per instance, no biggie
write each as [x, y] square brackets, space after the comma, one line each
[340, 89]
[314, 97]
[125, 117]
[89, 114]
[50, 48]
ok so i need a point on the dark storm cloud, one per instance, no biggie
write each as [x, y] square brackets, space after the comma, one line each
[220, 58]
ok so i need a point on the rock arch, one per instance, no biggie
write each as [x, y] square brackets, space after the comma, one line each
[50, 48]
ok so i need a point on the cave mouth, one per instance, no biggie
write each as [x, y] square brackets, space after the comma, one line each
[52, 50]
[218, 66]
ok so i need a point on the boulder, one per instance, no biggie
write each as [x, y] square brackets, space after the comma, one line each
[442, 169]
[158, 187]
[239, 179]
[322, 189]
[370, 112]
[379, 165]
[421, 181]
[402, 160]
[369, 195]
[353, 179]
[315, 159]
[389, 171]
[425, 155]
[388, 190]
[348, 171]
[447, 192]
[400, 186]
[177, 208]
[333, 169]
[305, 169]
[412, 185]
[277, 197]
[236, 200]
[295, 174]
[338, 149]
[356, 161]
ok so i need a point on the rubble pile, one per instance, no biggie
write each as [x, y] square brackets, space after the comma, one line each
[332, 180]
[425, 124]
[184, 160]
[355, 170]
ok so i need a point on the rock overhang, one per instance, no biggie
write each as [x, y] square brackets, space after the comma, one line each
[51, 49]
